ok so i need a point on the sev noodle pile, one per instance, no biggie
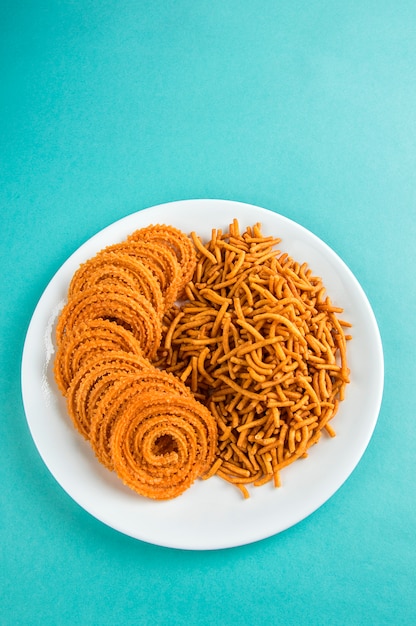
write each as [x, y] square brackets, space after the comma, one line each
[260, 343]
[181, 360]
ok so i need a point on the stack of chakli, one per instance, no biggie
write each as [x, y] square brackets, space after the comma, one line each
[142, 423]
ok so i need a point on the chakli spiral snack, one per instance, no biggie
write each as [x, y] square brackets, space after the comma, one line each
[109, 403]
[111, 268]
[161, 443]
[98, 374]
[120, 304]
[174, 239]
[84, 342]
[141, 422]
[159, 259]
[260, 343]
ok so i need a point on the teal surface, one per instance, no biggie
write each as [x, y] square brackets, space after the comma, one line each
[305, 108]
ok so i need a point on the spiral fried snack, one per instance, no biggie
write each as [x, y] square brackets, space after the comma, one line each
[141, 422]
[114, 398]
[85, 342]
[112, 268]
[177, 241]
[93, 379]
[159, 259]
[129, 309]
[161, 443]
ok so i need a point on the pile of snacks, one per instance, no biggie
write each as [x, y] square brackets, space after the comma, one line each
[180, 359]
[141, 422]
[259, 343]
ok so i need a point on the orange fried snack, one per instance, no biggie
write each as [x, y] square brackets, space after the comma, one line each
[161, 443]
[116, 396]
[259, 342]
[96, 375]
[116, 303]
[159, 259]
[112, 268]
[174, 239]
[85, 341]
[140, 421]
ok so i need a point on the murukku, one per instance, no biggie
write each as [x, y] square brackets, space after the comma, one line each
[161, 443]
[177, 241]
[159, 259]
[84, 342]
[98, 372]
[129, 309]
[142, 422]
[110, 267]
[116, 396]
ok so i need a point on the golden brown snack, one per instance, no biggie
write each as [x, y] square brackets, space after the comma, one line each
[115, 303]
[113, 399]
[99, 373]
[159, 259]
[107, 333]
[174, 239]
[85, 341]
[161, 443]
[112, 268]
[260, 343]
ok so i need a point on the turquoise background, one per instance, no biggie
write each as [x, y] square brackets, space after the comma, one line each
[306, 108]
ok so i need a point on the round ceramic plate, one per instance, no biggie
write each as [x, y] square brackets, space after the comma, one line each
[212, 514]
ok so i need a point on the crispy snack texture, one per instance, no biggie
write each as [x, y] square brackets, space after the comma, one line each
[85, 341]
[141, 422]
[258, 342]
[162, 443]
[177, 241]
[181, 359]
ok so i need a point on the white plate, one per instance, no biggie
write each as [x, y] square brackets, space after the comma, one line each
[211, 514]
